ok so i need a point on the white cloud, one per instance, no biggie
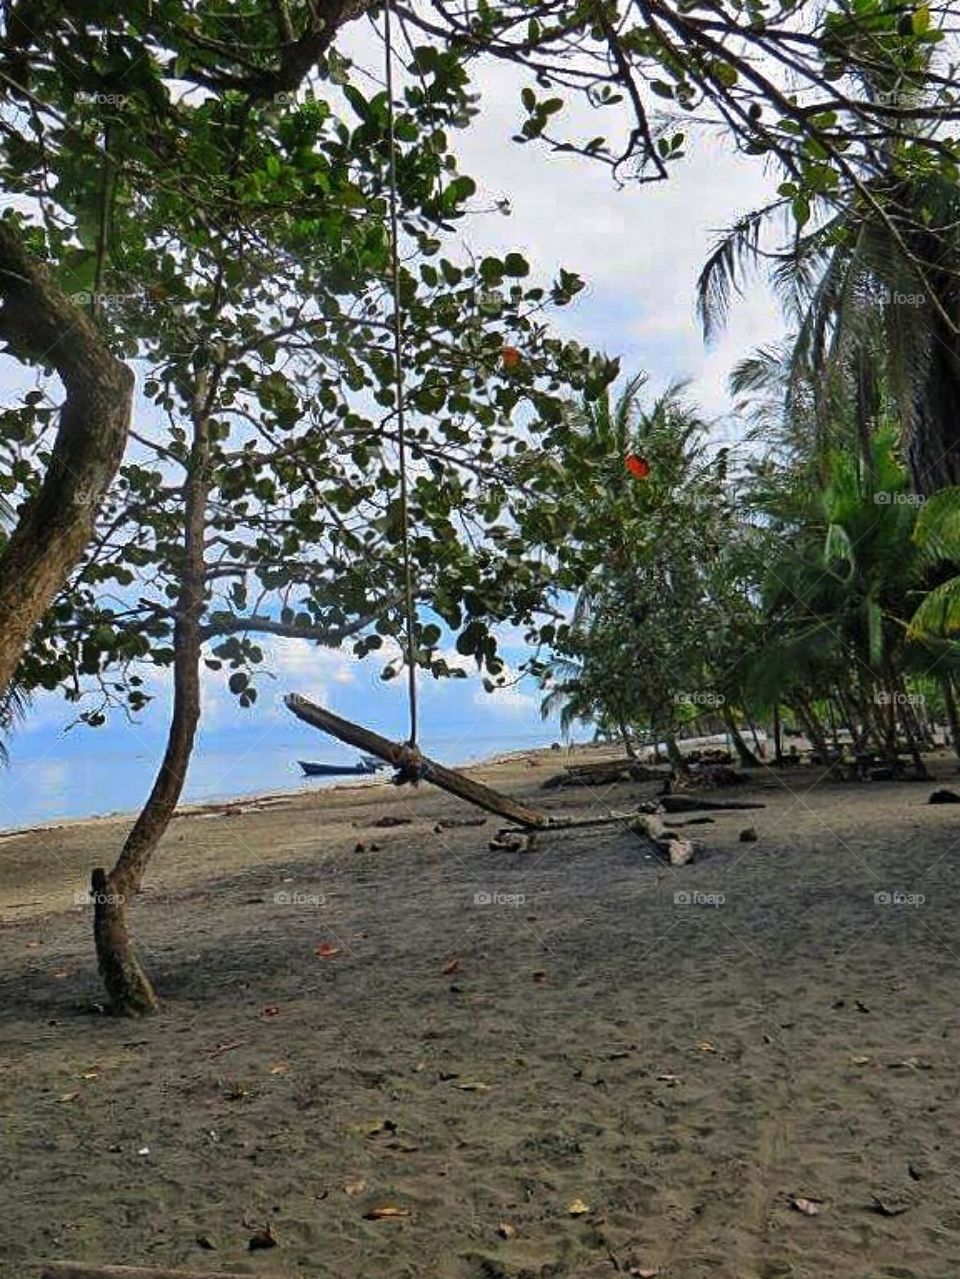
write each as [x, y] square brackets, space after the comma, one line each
[639, 248]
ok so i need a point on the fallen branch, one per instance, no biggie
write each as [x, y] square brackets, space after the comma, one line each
[394, 752]
[605, 773]
[81, 1270]
[665, 842]
[690, 804]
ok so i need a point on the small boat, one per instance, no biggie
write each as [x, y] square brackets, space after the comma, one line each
[362, 769]
[373, 761]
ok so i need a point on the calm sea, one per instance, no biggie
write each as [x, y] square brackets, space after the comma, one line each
[49, 780]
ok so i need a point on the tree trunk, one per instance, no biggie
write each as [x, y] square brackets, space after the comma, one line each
[933, 449]
[777, 736]
[40, 324]
[628, 745]
[744, 754]
[674, 753]
[811, 725]
[953, 717]
[128, 986]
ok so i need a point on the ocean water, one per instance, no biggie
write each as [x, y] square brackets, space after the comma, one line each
[77, 775]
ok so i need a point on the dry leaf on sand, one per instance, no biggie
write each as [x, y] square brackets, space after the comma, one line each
[264, 1238]
[809, 1207]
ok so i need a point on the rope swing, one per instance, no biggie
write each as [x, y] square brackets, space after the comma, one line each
[410, 766]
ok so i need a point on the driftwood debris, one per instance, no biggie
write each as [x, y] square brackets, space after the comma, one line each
[563, 822]
[665, 842]
[81, 1270]
[605, 772]
[447, 779]
[691, 804]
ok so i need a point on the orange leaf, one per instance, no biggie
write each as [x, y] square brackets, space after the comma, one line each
[385, 1212]
[637, 466]
[511, 357]
[326, 951]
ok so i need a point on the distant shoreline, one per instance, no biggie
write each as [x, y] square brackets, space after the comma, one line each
[272, 798]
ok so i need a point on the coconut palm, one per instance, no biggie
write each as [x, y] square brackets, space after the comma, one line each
[873, 296]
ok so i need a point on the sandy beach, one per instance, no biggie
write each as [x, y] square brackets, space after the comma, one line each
[572, 1062]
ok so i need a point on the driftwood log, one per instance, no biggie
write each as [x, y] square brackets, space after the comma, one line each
[690, 804]
[447, 779]
[605, 773]
[665, 842]
[81, 1270]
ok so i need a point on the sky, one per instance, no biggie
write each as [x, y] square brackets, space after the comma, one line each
[639, 249]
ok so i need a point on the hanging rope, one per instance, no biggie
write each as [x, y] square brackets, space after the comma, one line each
[409, 769]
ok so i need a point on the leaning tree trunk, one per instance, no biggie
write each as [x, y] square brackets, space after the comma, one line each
[40, 324]
[933, 450]
[953, 716]
[127, 984]
[625, 737]
[913, 728]
[675, 754]
[810, 724]
[744, 754]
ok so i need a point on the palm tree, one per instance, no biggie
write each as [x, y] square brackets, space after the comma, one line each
[874, 298]
[840, 596]
[647, 560]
